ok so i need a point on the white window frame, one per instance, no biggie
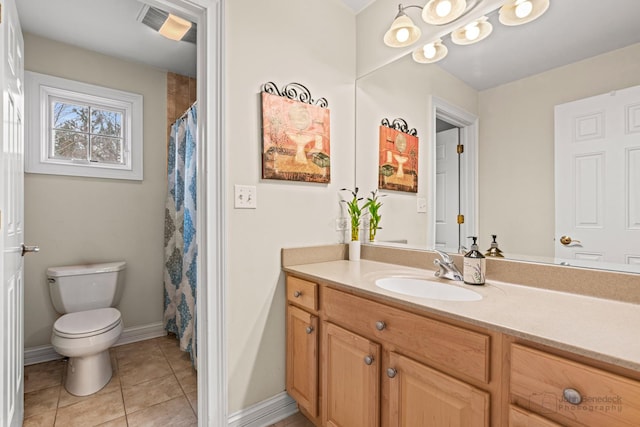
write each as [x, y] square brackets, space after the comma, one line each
[41, 89]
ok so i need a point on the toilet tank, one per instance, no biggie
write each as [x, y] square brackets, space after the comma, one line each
[86, 287]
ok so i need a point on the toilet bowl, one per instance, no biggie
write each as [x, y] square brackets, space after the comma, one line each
[85, 337]
[89, 326]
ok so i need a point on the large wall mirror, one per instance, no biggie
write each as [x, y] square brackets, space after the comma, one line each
[499, 96]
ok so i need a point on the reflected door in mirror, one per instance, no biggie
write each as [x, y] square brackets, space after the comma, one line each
[597, 156]
[447, 190]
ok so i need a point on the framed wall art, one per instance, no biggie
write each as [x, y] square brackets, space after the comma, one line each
[296, 137]
[398, 157]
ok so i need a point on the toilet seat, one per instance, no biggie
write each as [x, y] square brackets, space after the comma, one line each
[88, 323]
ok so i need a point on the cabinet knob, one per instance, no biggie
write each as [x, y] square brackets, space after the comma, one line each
[368, 360]
[391, 373]
[380, 325]
[309, 329]
[297, 294]
[572, 396]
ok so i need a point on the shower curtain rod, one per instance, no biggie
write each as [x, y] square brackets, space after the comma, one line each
[186, 111]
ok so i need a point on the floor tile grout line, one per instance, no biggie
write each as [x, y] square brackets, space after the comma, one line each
[156, 343]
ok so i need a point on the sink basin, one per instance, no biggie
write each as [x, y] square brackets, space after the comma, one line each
[423, 288]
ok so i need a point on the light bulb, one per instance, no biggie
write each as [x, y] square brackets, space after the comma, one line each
[472, 31]
[523, 9]
[443, 8]
[429, 50]
[402, 35]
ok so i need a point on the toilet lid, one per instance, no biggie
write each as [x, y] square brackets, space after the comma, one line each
[87, 323]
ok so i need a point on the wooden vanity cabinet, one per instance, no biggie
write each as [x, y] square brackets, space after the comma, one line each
[380, 365]
[548, 389]
[302, 344]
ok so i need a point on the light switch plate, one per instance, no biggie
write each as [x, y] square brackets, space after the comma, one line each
[245, 197]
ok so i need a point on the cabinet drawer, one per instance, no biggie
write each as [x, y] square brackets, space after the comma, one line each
[518, 417]
[302, 293]
[538, 382]
[441, 345]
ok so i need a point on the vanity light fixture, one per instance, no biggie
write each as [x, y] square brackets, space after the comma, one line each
[440, 12]
[403, 31]
[430, 52]
[518, 12]
[472, 32]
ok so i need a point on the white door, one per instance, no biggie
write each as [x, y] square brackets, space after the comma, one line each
[11, 221]
[597, 178]
[447, 191]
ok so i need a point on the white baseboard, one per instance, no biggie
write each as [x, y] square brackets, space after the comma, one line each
[45, 353]
[265, 413]
[141, 333]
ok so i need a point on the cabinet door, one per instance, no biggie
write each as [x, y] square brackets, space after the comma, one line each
[351, 379]
[420, 396]
[302, 358]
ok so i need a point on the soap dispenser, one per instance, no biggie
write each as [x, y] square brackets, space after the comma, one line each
[494, 250]
[474, 264]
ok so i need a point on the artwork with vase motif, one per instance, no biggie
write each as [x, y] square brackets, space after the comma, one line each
[398, 161]
[295, 140]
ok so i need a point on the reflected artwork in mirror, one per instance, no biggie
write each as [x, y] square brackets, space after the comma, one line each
[508, 87]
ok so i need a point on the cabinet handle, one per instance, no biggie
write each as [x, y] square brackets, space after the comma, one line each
[380, 325]
[297, 294]
[309, 329]
[572, 396]
[368, 360]
[391, 373]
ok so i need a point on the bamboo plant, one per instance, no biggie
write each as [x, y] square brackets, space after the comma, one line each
[355, 212]
[373, 205]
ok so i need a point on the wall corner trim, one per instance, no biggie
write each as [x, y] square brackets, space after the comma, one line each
[265, 413]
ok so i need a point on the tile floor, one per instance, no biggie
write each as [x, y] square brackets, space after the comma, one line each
[153, 384]
[296, 420]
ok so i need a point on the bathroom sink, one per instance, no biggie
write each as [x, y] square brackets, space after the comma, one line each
[423, 288]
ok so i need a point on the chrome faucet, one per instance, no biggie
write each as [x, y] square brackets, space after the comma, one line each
[448, 269]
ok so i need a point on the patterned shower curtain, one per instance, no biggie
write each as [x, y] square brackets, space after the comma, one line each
[180, 250]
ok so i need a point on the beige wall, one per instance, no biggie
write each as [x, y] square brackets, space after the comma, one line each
[310, 42]
[403, 89]
[516, 162]
[76, 220]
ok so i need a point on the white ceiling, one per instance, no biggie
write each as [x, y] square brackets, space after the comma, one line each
[571, 30]
[108, 27]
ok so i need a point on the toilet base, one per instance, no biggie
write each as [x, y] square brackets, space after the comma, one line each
[88, 374]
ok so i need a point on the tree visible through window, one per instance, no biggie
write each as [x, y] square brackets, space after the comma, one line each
[86, 133]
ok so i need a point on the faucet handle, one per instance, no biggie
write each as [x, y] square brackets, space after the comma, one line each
[445, 256]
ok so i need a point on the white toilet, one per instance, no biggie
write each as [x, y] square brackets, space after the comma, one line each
[85, 295]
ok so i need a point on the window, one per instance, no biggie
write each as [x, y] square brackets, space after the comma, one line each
[82, 130]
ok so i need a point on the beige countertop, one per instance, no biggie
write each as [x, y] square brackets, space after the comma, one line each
[602, 329]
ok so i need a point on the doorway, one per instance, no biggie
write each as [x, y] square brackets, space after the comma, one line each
[453, 191]
[448, 210]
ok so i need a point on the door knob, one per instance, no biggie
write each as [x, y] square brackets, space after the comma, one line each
[566, 240]
[27, 249]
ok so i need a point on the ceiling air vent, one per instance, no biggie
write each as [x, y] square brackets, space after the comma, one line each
[154, 18]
